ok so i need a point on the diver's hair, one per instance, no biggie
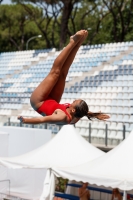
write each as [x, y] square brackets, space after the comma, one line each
[83, 110]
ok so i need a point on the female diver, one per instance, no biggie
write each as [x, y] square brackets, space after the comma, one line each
[46, 97]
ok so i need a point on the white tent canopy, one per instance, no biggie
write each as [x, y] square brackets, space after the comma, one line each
[114, 169]
[67, 149]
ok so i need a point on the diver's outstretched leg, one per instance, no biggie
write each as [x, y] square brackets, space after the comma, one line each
[42, 92]
[58, 89]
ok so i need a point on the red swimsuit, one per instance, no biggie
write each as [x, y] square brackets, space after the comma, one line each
[50, 105]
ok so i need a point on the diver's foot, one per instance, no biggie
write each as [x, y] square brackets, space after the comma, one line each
[83, 38]
[78, 36]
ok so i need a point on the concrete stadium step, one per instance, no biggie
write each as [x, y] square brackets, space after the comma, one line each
[93, 71]
[24, 107]
[117, 58]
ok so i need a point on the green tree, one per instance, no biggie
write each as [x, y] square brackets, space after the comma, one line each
[56, 14]
[90, 15]
[56, 20]
[15, 27]
[121, 14]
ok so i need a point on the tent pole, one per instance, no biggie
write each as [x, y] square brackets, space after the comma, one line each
[124, 195]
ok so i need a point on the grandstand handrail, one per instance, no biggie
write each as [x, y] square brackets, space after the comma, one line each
[90, 188]
[66, 196]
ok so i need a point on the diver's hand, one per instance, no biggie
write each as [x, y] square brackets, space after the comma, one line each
[22, 120]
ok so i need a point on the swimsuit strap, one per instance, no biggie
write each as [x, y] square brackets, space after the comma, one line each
[67, 106]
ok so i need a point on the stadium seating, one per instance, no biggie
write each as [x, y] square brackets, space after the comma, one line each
[105, 82]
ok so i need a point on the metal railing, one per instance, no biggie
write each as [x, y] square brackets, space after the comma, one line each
[106, 133]
[106, 129]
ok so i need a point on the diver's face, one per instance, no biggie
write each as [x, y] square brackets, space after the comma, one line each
[76, 102]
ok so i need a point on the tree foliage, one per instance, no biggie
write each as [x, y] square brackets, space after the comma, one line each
[16, 27]
[56, 20]
[122, 15]
[59, 11]
[61, 185]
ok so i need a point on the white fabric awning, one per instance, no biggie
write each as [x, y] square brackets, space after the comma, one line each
[114, 169]
[66, 149]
